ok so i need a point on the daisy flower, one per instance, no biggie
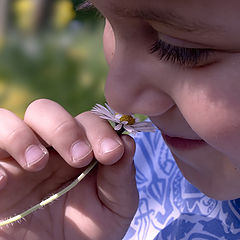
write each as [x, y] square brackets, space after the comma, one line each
[122, 121]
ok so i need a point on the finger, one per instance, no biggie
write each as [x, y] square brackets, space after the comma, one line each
[17, 139]
[108, 192]
[107, 145]
[117, 185]
[59, 130]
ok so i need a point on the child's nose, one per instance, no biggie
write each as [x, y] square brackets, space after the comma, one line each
[130, 89]
[131, 86]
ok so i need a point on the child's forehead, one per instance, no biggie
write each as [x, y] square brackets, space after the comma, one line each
[167, 16]
[192, 17]
[186, 7]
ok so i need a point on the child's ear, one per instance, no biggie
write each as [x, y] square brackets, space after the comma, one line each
[108, 42]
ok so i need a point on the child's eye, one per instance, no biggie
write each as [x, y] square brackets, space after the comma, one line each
[189, 57]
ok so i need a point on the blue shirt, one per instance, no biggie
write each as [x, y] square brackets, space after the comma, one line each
[170, 207]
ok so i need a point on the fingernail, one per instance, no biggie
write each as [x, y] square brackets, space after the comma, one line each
[109, 145]
[79, 150]
[34, 154]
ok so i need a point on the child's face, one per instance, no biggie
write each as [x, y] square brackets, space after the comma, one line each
[189, 93]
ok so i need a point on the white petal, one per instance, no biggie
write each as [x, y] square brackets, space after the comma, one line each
[107, 118]
[118, 116]
[101, 109]
[118, 127]
[110, 110]
[144, 127]
[109, 114]
[103, 112]
[130, 129]
[143, 124]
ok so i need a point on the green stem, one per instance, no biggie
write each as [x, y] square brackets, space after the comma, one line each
[50, 199]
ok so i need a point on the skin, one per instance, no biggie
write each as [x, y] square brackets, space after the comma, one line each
[98, 207]
[192, 102]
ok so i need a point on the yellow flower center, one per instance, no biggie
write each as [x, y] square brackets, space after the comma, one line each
[127, 118]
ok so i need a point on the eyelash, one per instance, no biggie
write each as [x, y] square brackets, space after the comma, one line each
[188, 57]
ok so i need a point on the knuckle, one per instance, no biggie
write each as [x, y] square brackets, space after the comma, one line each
[65, 126]
[15, 135]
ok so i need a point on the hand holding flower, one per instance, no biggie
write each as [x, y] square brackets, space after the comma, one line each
[103, 194]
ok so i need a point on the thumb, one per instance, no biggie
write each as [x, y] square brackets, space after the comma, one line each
[117, 185]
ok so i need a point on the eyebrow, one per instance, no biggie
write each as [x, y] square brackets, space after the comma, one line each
[168, 18]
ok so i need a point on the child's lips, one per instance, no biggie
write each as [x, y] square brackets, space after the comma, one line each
[183, 143]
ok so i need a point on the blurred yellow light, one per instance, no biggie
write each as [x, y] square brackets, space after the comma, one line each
[63, 13]
[78, 53]
[85, 79]
[16, 99]
[23, 6]
[25, 11]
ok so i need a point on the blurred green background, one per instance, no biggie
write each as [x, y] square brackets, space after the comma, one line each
[48, 50]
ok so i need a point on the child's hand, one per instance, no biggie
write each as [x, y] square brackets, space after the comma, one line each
[100, 207]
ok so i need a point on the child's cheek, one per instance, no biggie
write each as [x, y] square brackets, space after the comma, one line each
[209, 99]
[221, 131]
[216, 122]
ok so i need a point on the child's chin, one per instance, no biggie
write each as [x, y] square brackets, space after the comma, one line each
[212, 184]
[219, 193]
